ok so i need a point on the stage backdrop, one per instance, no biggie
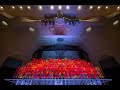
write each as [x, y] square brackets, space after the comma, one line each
[60, 54]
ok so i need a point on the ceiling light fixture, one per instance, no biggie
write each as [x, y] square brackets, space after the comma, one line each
[115, 22]
[91, 7]
[98, 7]
[1, 8]
[31, 29]
[88, 29]
[118, 8]
[79, 7]
[60, 7]
[67, 7]
[4, 23]
[40, 7]
[28, 7]
[21, 7]
[51, 7]
[106, 7]
[13, 7]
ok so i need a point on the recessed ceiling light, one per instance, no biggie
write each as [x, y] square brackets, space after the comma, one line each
[98, 7]
[79, 7]
[118, 8]
[67, 7]
[13, 7]
[88, 29]
[51, 7]
[115, 22]
[31, 29]
[1, 8]
[91, 7]
[59, 7]
[4, 23]
[40, 7]
[21, 7]
[106, 7]
[28, 7]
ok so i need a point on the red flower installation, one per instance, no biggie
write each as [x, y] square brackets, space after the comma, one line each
[57, 68]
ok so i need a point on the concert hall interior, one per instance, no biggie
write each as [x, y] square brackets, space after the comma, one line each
[59, 44]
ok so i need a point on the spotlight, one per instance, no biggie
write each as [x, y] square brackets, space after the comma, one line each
[118, 8]
[1, 8]
[40, 8]
[67, 7]
[79, 7]
[91, 7]
[60, 7]
[13, 7]
[21, 7]
[28, 7]
[98, 7]
[106, 7]
[51, 7]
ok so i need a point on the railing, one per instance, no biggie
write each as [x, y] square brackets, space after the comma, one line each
[59, 81]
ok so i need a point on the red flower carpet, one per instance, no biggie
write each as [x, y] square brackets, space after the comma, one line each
[57, 68]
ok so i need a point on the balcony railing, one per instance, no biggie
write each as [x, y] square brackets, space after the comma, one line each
[59, 81]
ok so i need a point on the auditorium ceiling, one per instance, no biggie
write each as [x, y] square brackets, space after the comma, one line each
[22, 33]
[37, 12]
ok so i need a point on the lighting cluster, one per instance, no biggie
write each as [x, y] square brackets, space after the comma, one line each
[50, 20]
[52, 7]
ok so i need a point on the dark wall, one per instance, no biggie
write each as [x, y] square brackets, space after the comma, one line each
[7, 70]
[111, 68]
[62, 47]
